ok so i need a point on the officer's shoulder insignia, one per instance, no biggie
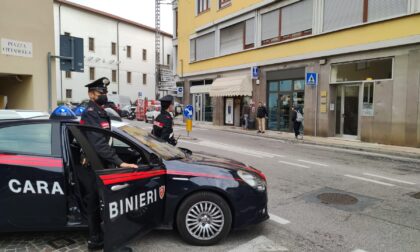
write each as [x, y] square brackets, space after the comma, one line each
[90, 109]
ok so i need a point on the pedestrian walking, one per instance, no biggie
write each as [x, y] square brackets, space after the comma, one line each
[261, 117]
[297, 119]
[95, 115]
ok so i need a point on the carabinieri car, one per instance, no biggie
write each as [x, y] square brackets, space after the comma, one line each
[201, 196]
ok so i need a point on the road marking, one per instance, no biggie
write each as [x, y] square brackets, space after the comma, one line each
[259, 244]
[314, 163]
[359, 250]
[294, 164]
[369, 180]
[390, 179]
[278, 219]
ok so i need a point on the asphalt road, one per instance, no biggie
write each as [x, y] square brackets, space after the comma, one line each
[320, 199]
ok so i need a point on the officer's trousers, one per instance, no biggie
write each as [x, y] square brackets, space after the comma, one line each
[90, 197]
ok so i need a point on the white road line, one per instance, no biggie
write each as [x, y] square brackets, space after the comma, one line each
[259, 244]
[369, 180]
[359, 250]
[314, 163]
[390, 179]
[293, 164]
[278, 219]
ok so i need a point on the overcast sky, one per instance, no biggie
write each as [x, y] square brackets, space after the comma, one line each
[140, 11]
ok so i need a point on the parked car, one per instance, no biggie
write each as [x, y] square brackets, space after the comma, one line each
[122, 102]
[152, 112]
[201, 196]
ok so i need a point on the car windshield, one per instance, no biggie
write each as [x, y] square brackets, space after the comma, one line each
[165, 150]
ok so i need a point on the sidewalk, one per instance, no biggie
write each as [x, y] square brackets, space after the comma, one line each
[349, 144]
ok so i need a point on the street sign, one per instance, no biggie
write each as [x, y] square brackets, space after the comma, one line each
[188, 111]
[71, 47]
[179, 91]
[255, 72]
[311, 79]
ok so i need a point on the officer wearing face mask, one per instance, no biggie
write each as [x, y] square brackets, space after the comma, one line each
[95, 115]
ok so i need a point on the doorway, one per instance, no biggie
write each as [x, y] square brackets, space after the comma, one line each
[203, 108]
[347, 115]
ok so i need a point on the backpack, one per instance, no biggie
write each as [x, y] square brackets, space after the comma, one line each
[299, 117]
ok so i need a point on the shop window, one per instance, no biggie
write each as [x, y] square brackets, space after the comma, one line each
[274, 86]
[91, 44]
[342, 13]
[91, 73]
[69, 93]
[299, 85]
[377, 69]
[286, 85]
[380, 9]
[114, 75]
[113, 48]
[202, 6]
[224, 3]
[368, 89]
[202, 47]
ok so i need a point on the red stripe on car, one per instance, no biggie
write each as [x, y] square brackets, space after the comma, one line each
[21, 160]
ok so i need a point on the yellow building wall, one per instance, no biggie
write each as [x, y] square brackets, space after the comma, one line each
[28, 21]
[368, 33]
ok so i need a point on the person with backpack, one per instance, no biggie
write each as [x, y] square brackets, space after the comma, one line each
[297, 119]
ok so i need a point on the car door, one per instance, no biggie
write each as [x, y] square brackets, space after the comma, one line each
[132, 200]
[32, 180]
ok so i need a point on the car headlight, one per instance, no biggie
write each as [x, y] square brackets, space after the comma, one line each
[252, 180]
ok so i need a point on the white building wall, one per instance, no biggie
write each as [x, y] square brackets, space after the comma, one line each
[105, 30]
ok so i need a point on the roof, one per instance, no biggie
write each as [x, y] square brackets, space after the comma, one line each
[22, 114]
[108, 15]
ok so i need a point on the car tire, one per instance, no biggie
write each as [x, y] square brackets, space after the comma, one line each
[216, 218]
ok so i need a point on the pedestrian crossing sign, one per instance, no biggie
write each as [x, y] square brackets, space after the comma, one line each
[312, 79]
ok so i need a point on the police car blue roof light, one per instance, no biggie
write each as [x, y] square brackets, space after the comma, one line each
[78, 111]
[63, 112]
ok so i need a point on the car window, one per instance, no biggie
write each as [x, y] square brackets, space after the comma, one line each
[165, 150]
[26, 139]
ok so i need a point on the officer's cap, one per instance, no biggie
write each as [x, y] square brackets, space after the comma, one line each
[100, 85]
[167, 99]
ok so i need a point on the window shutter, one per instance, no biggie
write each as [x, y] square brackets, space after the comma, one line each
[249, 31]
[231, 39]
[204, 46]
[270, 25]
[342, 13]
[192, 50]
[297, 17]
[380, 9]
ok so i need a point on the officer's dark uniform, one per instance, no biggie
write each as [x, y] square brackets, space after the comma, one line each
[95, 115]
[163, 124]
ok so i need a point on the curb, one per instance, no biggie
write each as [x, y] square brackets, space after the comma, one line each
[394, 153]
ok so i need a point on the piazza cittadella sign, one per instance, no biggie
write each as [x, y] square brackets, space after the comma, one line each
[16, 48]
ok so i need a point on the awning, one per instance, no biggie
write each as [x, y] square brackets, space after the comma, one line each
[200, 89]
[232, 86]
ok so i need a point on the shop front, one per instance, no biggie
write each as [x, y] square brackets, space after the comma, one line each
[201, 100]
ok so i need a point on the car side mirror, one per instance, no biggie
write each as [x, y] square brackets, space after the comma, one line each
[154, 160]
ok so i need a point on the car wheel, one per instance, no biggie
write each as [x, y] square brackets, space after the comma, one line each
[204, 219]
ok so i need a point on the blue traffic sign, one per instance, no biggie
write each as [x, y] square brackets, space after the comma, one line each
[255, 72]
[312, 79]
[188, 111]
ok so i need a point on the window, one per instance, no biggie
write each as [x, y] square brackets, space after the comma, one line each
[270, 27]
[379, 9]
[202, 5]
[69, 93]
[224, 3]
[249, 33]
[368, 89]
[377, 69]
[144, 79]
[114, 75]
[91, 73]
[144, 54]
[114, 92]
[113, 48]
[297, 19]
[128, 77]
[168, 59]
[28, 139]
[231, 39]
[91, 44]
[342, 13]
[66, 33]
[68, 74]
[202, 47]
[128, 51]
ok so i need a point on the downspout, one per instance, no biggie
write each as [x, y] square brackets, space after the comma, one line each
[118, 58]
[59, 46]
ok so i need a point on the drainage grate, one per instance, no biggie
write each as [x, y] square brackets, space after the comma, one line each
[60, 243]
[416, 195]
[337, 199]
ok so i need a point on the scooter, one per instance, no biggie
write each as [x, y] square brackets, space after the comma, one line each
[132, 113]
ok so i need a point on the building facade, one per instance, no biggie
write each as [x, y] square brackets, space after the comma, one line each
[27, 36]
[120, 49]
[353, 66]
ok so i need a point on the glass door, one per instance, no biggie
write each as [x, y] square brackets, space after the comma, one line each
[198, 103]
[347, 122]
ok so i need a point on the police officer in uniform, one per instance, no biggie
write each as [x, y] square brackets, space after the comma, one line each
[163, 124]
[95, 115]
